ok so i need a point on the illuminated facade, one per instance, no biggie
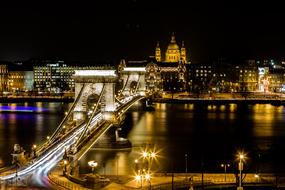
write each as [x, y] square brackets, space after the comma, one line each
[56, 76]
[222, 76]
[3, 77]
[248, 76]
[173, 53]
[271, 75]
[263, 83]
[159, 76]
[19, 81]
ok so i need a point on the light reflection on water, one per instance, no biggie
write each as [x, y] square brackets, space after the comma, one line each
[26, 128]
[209, 134]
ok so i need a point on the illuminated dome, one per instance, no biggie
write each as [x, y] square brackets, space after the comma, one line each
[172, 53]
[173, 45]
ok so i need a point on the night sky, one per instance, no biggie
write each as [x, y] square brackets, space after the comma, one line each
[111, 30]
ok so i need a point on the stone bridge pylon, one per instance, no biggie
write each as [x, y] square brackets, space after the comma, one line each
[98, 88]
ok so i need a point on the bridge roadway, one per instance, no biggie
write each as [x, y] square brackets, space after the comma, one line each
[35, 172]
[97, 132]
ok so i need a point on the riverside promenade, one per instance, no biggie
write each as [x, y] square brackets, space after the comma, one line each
[254, 97]
[15, 99]
[162, 181]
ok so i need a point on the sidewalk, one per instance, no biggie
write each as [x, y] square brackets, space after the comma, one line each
[60, 182]
[159, 181]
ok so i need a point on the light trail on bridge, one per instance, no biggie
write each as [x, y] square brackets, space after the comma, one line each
[48, 160]
[37, 171]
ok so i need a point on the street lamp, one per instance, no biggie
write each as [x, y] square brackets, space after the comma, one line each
[149, 156]
[138, 178]
[141, 176]
[65, 164]
[256, 176]
[92, 164]
[147, 177]
[225, 166]
[241, 158]
[186, 163]
[34, 151]
[136, 165]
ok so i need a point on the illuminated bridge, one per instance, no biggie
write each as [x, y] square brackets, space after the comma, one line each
[96, 109]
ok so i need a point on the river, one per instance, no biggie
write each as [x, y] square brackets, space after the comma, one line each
[210, 135]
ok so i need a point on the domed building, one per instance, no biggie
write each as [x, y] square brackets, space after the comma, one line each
[163, 75]
[173, 66]
[173, 52]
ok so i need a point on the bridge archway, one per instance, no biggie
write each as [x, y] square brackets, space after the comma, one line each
[133, 80]
[98, 85]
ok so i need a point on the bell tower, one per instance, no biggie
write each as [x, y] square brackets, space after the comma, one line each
[157, 53]
[183, 52]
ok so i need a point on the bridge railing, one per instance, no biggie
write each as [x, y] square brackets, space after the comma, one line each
[46, 151]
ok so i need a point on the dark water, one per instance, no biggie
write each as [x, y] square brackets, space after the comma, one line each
[27, 128]
[208, 134]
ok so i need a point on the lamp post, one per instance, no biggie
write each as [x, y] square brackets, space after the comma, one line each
[64, 163]
[17, 165]
[149, 156]
[117, 165]
[147, 177]
[240, 168]
[136, 165]
[225, 166]
[138, 178]
[34, 151]
[186, 164]
[93, 164]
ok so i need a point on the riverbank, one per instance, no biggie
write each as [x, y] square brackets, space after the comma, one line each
[169, 181]
[280, 101]
[16, 99]
[220, 101]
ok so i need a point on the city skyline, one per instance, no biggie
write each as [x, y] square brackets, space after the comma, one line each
[130, 29]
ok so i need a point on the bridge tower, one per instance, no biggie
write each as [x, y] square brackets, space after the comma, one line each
[133, 80]
[98, 88]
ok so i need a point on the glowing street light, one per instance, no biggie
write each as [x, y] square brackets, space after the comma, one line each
[241, 158]
[141, 176]
[149, 156]
[225, 166]
[144, 154]
[138, 178]
[65, 162]
[147, 177]
[92, 164]
[34, 151]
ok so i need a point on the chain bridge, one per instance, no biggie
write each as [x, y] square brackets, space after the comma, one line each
[101, 99]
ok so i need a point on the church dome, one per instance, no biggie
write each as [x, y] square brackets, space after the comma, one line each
[173, 45]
